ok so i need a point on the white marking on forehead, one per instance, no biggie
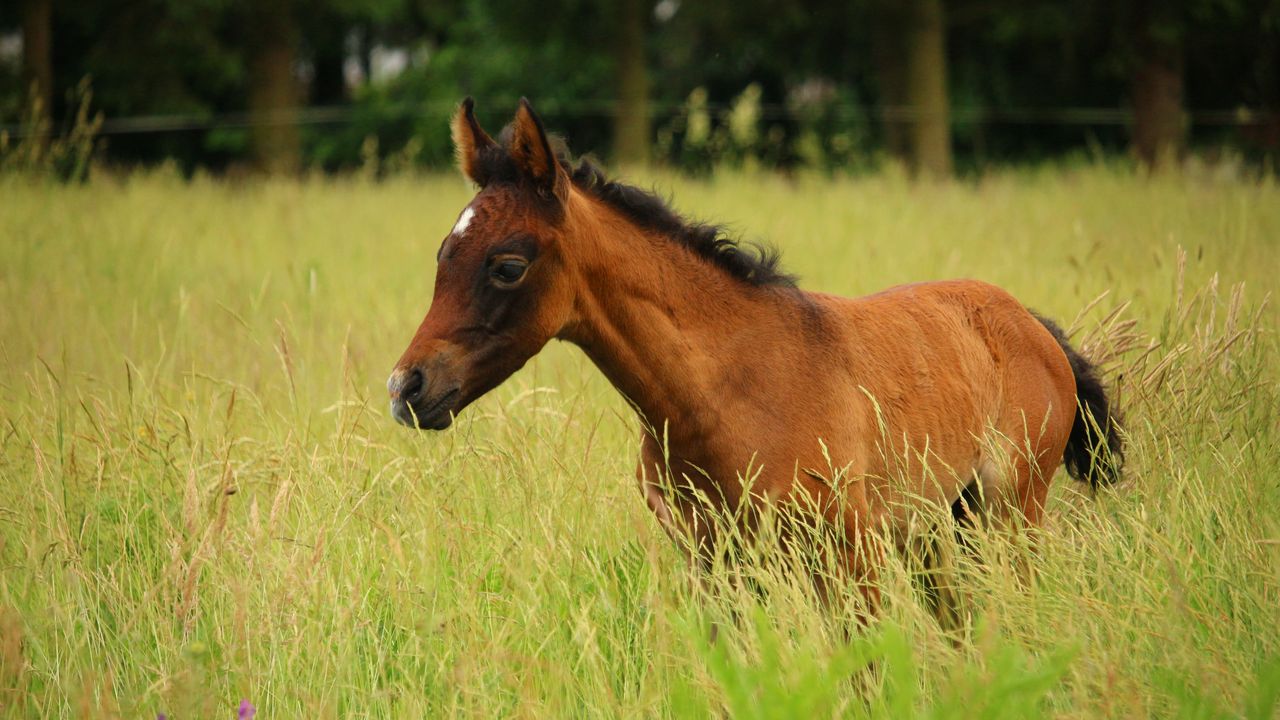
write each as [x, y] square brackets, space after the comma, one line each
[463, 221]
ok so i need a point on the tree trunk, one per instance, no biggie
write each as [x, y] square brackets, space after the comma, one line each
[273, 88]
[631, 121]
[1265, 133]
[888, 56]
[926, 84]
[37, 55]
[1156, 86]
[330, 84]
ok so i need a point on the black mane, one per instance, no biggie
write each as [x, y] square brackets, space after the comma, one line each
[756, 264]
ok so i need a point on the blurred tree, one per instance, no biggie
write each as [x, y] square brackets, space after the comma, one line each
[324, 34]
[954, 81]
[333, 31]
[809, 61]
[1156, 85]
[888, 58]
[909, 55]
[37, 55]
[147, 58]
[631, 127]
[926, 87]
[1265, 71]
[1213, 53]
[271, 44]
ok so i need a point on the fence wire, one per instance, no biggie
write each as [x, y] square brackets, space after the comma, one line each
[347, 114]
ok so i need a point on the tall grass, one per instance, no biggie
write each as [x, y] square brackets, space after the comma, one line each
[203, 500]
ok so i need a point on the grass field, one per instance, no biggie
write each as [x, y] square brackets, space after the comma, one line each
[204, 500]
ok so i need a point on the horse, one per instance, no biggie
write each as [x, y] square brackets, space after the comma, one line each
[750, 390]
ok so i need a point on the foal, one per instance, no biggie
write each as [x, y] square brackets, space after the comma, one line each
[915, 395]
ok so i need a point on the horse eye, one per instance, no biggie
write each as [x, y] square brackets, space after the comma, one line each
[508, 271]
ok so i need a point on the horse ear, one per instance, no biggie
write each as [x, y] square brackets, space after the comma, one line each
[531, 150]
[468, 140]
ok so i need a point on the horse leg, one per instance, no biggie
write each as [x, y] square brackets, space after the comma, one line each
[688, 528]
[1020, 503]
[680, 518]
[859, 552]
[1033, 432]
[861, 564]
[933, 562]
[682, 522]
[1032, 489]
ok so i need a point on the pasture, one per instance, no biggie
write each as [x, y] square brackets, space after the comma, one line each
[203, 498]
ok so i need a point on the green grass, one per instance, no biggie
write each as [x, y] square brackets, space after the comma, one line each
[203, 499]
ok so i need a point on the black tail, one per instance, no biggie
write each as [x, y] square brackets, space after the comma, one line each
[1095, 451]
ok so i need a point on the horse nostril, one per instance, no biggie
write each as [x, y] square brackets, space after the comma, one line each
[411, 388]
[405, 385]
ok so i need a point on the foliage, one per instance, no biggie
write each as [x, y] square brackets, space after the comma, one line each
[202, 499]
[1018, 72]
[37, 151]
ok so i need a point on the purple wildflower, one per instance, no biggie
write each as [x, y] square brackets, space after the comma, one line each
[247, 710]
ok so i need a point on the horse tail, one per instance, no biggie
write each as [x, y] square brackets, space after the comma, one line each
[1095, 450]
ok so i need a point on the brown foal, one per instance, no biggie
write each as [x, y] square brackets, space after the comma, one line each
[949, 393]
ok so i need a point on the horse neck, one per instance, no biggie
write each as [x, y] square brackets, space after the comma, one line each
[672, 333]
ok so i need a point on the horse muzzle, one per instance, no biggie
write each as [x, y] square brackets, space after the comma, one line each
[418, 402]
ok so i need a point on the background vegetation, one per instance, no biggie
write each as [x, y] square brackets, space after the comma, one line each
[936, 84]
[203, 500]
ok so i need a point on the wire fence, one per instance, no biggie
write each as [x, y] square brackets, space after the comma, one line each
[347, 114]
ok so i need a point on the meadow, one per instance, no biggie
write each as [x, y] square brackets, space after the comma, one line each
[203, 498]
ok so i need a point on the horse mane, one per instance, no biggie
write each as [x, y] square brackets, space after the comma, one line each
[753, 263]
[756, 264]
